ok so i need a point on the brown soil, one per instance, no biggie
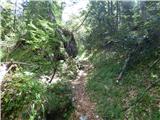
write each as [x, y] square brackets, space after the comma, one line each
[84, 108]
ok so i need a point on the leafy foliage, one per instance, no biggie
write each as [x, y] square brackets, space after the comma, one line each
[34, 40]
[110, 21]
[26, 97]
[120, 37]
[112, 99]
[22, 94]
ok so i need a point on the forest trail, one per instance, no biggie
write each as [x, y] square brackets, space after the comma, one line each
[84, 108]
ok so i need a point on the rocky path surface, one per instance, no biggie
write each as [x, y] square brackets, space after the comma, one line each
[84, 108]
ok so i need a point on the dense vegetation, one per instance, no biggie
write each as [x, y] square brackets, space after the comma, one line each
[42, 54]
[125, 81]
[34, 46]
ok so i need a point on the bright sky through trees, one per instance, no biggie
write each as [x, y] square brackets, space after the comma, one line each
[72, 7]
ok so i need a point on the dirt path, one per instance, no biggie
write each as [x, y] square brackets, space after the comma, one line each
[84, 108]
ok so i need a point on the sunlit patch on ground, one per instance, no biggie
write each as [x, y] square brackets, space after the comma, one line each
[3, 71]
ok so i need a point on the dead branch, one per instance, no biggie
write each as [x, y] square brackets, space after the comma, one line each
[142, 95]
[124, 67]
[76, 29]
[155, 62]
[16, 62]
[54, 72]
[131, 56]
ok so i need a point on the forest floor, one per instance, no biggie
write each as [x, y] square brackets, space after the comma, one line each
[84, 108]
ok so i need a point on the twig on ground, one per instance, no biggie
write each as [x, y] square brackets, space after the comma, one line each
[142, 95]
[155, 62]
[16, 62]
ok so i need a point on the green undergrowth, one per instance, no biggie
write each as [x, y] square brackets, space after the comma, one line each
[128, 99]
[34, 61]
[25, 97]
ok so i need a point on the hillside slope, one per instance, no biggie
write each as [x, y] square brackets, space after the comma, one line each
[135, 97]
